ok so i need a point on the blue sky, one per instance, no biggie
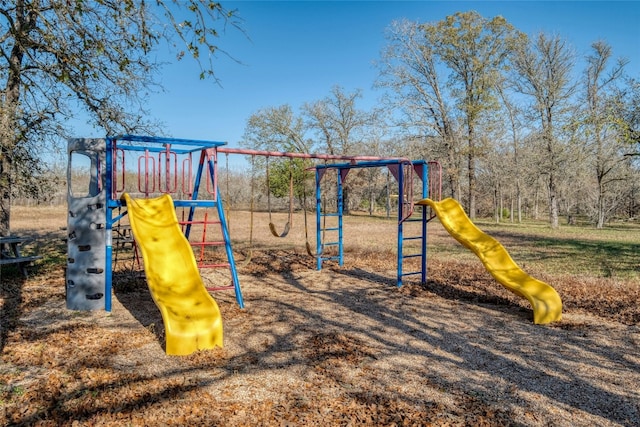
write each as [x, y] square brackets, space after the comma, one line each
[296, 51]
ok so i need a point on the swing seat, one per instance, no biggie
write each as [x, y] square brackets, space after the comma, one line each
[287, 228]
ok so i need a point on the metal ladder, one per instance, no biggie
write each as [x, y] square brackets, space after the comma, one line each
[408, 215]
[209, 157]
[335, 229]
[404, 254]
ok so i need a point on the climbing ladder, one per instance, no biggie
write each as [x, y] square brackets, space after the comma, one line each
[209, 159]
[329, 230]
[408, 175]
[426, 175]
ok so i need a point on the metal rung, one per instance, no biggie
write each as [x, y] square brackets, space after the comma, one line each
[222, 265]
[220, 243]
[330, 229]
[413, 220]
[199, 222]
[330, 214]
[329, 258]
[331, 244]
[412, 256]
[413, 273]
[412, 238]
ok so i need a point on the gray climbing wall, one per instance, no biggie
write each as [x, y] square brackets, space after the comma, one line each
[86, 223]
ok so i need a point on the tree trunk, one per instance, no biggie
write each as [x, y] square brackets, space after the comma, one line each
[553, 202]
[601, 214]
[496, 205]
[371, 201]
[5, 193]
[8, 126]
[536, 213]
[519, 200]
[471, 164]
[511, 210]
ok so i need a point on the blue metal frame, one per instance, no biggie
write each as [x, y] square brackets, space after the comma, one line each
[420, 166]
[191, 146]
[400, 234]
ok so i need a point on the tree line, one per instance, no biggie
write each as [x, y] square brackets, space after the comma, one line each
[518, 128]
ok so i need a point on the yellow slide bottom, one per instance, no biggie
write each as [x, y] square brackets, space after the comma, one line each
[546, 303]
[191, 316]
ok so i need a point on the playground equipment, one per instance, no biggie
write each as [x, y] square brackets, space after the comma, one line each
[169, 166]
[161, 164]
[179, 167]
[287, 226]
[86, 223]
[407, 173]
[404, 171]
[191, 316]
[546, 303]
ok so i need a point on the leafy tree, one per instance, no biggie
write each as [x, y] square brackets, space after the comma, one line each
[279, 129]
[476, 51]
[58, 56]
[629, 124]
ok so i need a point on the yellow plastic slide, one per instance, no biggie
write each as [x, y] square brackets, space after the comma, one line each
[191, 316]
[546, 303]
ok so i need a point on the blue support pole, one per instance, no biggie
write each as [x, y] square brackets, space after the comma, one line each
[229, 251]
[318, 222]
[425, 194]
[108, 276]
[400, 179]
[340, 224]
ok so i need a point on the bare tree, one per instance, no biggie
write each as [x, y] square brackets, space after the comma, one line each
[58, 56]
[514, 128]
[409, 67]
[340, 126]
[544, 73]
[277, 129]
[599, 124]
[337, 121]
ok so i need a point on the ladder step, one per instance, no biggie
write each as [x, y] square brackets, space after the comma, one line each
[217, 243]
[412, 273]
[412, 238]
[220, 265]
[330, 214]
[331, 244]
[329, 258]
[199, 222]
[413, 220]
[412, 256]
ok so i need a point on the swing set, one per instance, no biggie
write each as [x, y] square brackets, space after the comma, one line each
[407, 173]
[187, 170]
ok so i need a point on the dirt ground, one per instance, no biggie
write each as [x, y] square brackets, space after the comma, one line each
[342, 346]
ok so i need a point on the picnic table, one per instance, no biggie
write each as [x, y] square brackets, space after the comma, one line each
[10, 253]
